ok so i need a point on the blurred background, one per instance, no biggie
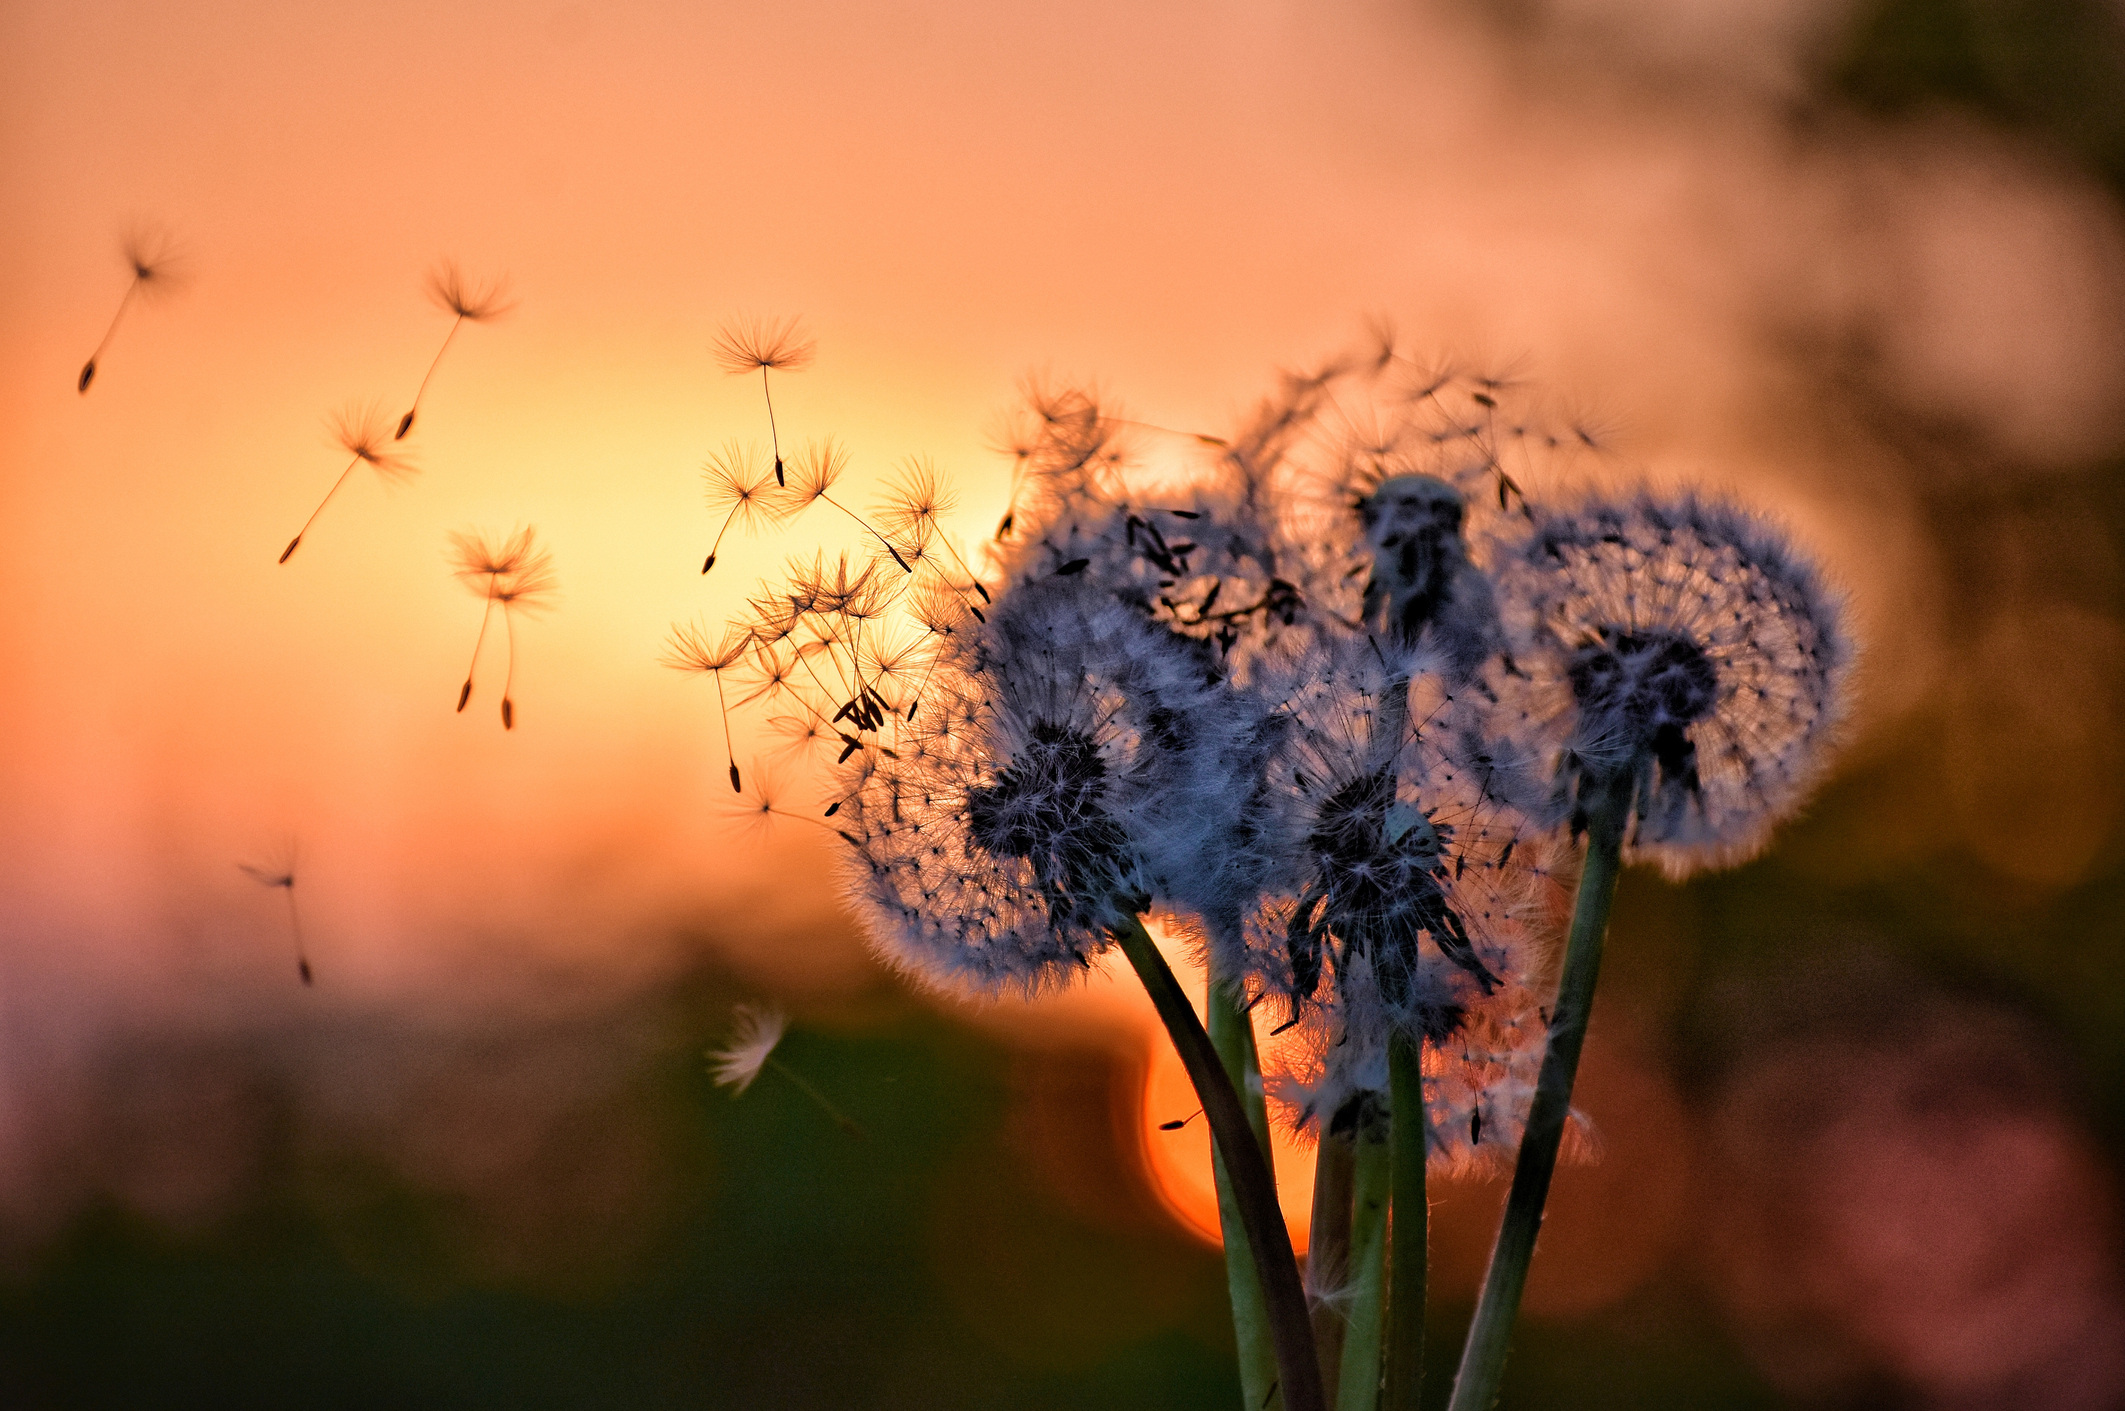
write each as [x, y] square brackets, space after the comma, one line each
[1860, 262]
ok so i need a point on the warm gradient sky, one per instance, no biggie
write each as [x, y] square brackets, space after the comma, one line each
[1174, 200]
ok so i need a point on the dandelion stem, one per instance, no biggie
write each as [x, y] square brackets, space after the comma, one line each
[1328, 1246]
[729, 756]
[1489, 1336]
[509, 671]
[405, 423]
[1409, 1253]
[295, 929]
[841, 1119]
[867, 529]
[88, 369]
[1232, 1035]
[1358, 1386]
[297, 540]
[774, 437]
[1254, 1188]
[479, 641]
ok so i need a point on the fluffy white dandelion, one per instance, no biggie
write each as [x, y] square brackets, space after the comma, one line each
[1675, 640]
[1003, 842]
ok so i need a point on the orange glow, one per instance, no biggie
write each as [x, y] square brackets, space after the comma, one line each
[1180, 1161]
[1176, 201]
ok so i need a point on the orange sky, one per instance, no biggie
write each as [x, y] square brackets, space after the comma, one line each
[1173, 200]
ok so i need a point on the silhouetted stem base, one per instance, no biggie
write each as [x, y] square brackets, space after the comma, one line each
[1247, 1165]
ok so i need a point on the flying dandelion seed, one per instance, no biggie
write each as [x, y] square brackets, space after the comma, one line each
[913, 507]
[691, 651]
[466, 303]
[764, 344]
[756, 1030]
[514, 573]
[362, 432]
[153, 263]
[734, 481]
[818, 468]
[280, 872]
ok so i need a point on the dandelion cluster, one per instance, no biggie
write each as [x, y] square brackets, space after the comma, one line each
[1332, 696]
[1325, 687]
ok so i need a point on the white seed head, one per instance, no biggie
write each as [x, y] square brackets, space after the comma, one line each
[1677, 639]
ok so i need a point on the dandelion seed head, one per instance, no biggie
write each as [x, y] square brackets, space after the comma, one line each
[364, 432]
[1676, 639]
[153, 258]
[1001, 847]
[813, 473]
[755, 1031]
[514, 569]
[751, 345]
[693, 647]
[462, 298]
[737, 483]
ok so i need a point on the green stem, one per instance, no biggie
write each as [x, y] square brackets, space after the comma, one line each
[1232, 1035]
[1358, 1386]
[841, 1120]
[1335, 1164]
[1253, 1187]
[1410, 1253]
[1483, 1358]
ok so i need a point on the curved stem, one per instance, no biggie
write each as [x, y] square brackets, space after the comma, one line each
[773, 436]
[1254, 1189]
[1232, 1035]
[1409, 1256]
[1358, 1386]
[88, 369]
[840, 1119]
[297, 540]
[406, 422]
[1489, 1336]
[465, 693]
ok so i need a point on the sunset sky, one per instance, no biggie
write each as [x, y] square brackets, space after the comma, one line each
[1173, 202]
